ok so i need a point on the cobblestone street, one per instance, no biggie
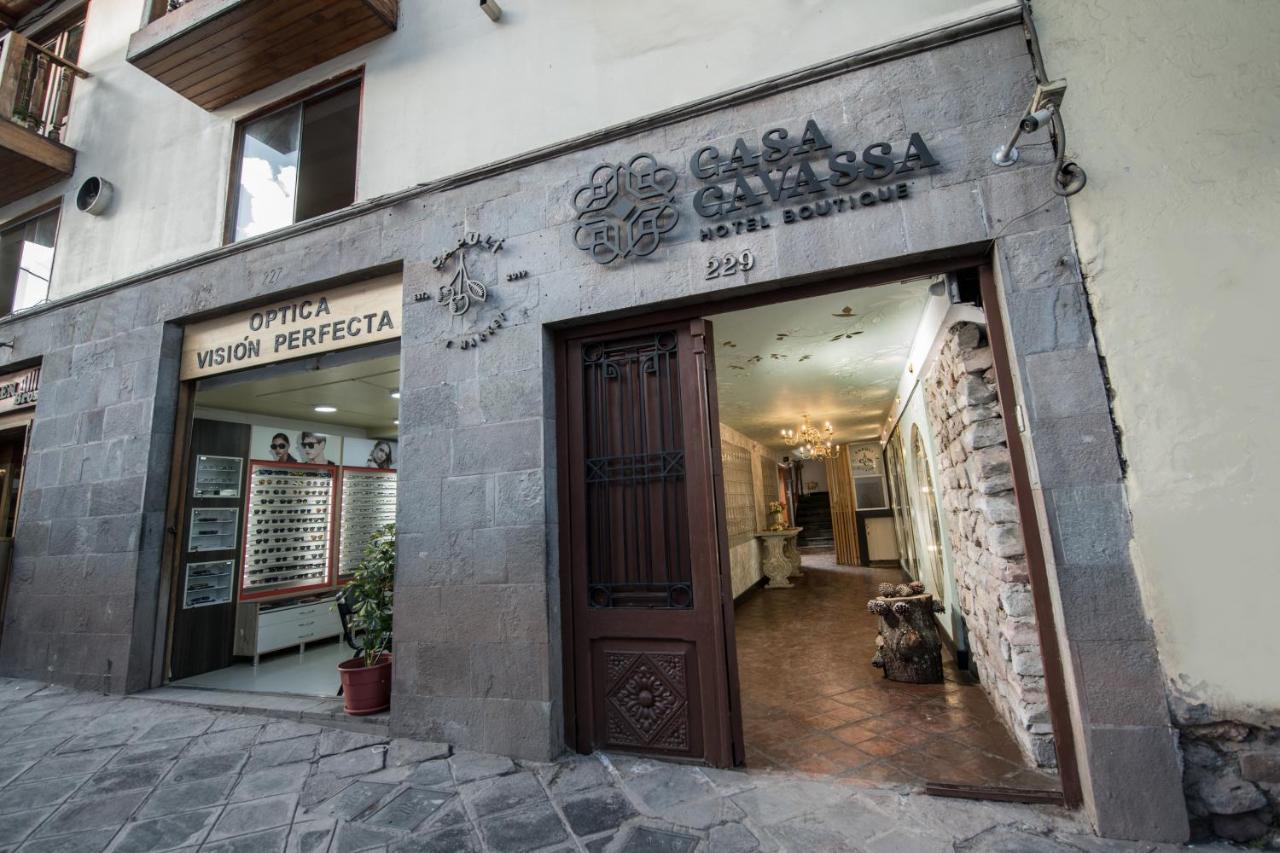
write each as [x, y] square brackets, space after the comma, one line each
[82, 773]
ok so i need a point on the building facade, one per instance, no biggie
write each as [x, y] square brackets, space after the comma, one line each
[854, 151]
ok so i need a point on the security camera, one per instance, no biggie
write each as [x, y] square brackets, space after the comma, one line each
[1034, 121]
[1047, 98]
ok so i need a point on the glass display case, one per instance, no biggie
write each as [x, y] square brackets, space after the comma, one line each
[287, 543]
[208, 583]
[368, 505]
[218, 477]
[213, 529]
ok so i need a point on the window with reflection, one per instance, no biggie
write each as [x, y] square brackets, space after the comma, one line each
[26, 262]
[928, 503]
[297, 162]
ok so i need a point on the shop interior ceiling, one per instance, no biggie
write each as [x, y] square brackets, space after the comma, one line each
[836, 357]
[360, 391]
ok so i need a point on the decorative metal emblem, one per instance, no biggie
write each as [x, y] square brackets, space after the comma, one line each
[463, 291]
[625, 209]
[462, 288]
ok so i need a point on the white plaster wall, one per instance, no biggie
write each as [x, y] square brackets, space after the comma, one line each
[448, 91]
[815, 472]
[1173, 107]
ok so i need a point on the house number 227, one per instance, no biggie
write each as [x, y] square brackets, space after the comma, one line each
[723, 265]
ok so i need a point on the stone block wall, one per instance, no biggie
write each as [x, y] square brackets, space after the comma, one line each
[1231, 776]
[976, 480]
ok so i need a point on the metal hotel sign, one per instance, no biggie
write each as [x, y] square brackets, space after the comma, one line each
[312, 324]
[626, 209]
[19, 390]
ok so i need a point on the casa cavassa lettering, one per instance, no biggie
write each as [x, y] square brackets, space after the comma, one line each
[784, 178]
[781, 169]
[349, 316]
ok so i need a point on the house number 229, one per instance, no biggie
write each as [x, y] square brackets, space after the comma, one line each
[722, 265]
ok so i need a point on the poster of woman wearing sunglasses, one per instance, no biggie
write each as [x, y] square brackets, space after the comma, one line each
[280, 448]
[272, 444]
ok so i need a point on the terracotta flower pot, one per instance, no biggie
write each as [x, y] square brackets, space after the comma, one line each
[365, 689]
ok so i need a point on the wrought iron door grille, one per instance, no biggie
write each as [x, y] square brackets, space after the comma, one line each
[636, 468]
[634, 459]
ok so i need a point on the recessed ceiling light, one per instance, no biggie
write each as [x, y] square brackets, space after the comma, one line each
[326, 410]
[395, 395]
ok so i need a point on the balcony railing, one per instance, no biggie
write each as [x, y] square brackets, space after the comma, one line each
[35, 93]
[213, 52]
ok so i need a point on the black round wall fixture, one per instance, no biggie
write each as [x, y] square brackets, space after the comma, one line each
[94, 196]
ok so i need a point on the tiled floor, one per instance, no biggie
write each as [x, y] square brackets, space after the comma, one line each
[314, 672]
[812, 702]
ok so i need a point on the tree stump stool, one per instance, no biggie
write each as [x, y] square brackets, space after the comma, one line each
[908, 647]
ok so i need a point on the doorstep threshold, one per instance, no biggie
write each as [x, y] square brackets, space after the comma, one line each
[321, 710]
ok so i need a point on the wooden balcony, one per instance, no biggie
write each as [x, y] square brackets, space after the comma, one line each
[35, 91]
[213, 52]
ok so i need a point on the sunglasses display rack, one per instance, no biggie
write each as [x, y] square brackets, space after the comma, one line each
[368, 505]
[213, 529]
[287, 534]
[208, 583]
[218, 477]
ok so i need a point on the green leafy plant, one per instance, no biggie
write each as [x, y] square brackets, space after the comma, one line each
[369, 595]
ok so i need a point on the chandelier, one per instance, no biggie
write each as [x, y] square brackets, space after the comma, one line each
[809, 441]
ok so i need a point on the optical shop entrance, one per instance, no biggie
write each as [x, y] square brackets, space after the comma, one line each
[285, 472]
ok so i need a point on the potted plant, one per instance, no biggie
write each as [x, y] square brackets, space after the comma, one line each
[366, 678]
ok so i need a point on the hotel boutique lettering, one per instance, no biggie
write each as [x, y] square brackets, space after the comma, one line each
[802, 171]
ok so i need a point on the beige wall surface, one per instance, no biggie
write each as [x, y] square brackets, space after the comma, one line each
[747, 498]
[1173, 107]
[449, 90]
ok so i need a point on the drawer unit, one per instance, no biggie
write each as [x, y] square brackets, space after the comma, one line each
[263, 631]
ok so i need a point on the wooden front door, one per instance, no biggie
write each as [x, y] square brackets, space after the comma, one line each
[652, 658]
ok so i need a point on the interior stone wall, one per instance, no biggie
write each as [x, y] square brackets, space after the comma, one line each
[976, 480]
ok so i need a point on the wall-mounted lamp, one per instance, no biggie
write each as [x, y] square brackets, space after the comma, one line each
[492, 9]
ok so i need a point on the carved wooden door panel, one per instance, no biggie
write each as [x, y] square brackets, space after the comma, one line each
[651, 624]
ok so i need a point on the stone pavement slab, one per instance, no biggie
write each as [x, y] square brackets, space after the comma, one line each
[81, 773]
[410, 808]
